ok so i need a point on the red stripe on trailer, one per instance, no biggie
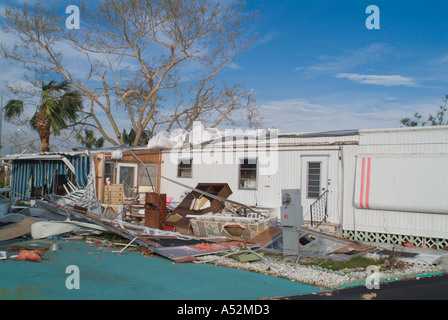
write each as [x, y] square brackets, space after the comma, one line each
[362, 183]
[369, 160]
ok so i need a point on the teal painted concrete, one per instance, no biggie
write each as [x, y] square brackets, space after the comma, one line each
[107, 276]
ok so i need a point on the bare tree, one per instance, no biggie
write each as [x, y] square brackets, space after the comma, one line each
[19, 142]
[141, 58]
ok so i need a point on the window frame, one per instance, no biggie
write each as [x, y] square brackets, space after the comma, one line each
[241, 179]
[180, 170]
[142, 175]
[308, 180]
[108, 175]
[134, 188]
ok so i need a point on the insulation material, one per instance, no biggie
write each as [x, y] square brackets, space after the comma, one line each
[167, 140]
[116, 155]
[414, 183]
[198, 134]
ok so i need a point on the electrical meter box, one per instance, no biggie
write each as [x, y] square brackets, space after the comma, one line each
[291, 218]
[291, 210]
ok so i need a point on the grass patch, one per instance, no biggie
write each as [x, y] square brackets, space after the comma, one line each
[113, 237]
[353, 263]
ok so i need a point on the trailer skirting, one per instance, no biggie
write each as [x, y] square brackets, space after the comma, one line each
[398, 239]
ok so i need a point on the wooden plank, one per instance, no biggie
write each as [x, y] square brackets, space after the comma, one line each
[16, 230]
[98, 160]
[152, 219]
[267, 236]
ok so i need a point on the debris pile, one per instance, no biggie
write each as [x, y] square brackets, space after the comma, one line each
[157, 228]
[205, 227]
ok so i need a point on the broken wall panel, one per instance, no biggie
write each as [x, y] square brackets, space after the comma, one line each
[138, 158]
[320, 245]
[35, 177]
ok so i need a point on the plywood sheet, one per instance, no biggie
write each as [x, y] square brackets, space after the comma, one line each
[17, 229]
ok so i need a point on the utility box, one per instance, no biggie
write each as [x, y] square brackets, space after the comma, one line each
[291, 219]
[291, 209]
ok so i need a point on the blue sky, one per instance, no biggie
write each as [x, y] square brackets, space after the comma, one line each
[316, 67]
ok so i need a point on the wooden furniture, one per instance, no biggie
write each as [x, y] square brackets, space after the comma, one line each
[114, 194]
[155, 210]
[186, 206]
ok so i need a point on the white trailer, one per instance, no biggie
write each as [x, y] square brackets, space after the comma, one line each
[386, 185]
[396, 186]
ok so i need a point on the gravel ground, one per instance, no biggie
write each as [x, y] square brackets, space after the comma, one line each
[317, 276]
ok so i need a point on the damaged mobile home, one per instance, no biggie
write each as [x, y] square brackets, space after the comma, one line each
[386, 186]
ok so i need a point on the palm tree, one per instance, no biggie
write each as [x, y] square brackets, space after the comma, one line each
[129, 138]
[58, 107]
[88, 139]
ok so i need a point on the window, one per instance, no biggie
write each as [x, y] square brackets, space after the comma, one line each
[184, 169]
[147, 178]
[109, 172]
[313, 185]
[248, 174]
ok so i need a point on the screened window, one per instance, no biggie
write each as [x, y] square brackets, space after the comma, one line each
[248, 174]
[184, 169]
[313, 188]
[147, 178]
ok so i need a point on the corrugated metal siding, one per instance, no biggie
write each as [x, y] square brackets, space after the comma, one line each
[43, 172]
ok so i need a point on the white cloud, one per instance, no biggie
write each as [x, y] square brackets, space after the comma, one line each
[301, 115]
[293, 115]
[268, 37]
[293, 106]
[234, 66]
[444, 58]
[380, 80]
[350, 58]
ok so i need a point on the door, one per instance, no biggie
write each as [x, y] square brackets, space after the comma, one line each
[127, 175]
[314, 181]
